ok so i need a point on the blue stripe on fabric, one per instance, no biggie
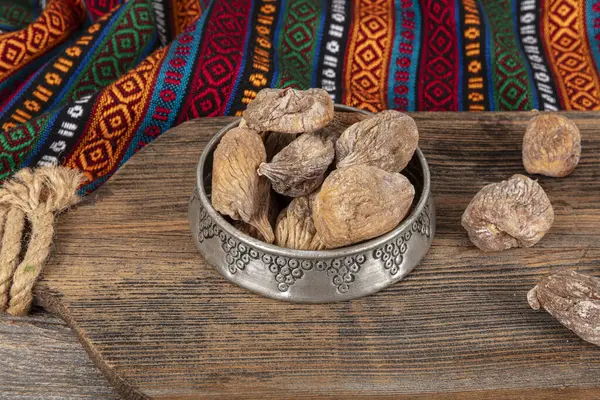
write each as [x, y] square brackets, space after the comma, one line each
[320, 30]
[488, 57]
[83, 64]
[414, 61]
[240, 75]
[179, 90]
[280, 23]
[532, 83]
[84, 190]
[459, 50]
[394, 68]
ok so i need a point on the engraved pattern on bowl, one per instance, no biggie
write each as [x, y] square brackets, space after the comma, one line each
[312, 276]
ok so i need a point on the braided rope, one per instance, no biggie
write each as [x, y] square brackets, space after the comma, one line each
[35, 195]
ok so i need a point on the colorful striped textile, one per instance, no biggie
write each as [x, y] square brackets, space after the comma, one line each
[87, 83]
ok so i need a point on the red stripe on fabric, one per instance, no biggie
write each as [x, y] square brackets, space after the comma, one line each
[437, 86]
[219, 60]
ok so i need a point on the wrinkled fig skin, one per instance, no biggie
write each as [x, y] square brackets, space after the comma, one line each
[386, 140]
[237, 191]
[276, 141]
[295, 228]
[340, 122]
[573, 299]
[359, 203]
[300, 167]
[511, 213]
[551, 145]
[289, 110]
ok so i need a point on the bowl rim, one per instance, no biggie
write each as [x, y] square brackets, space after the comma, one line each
[367, 246]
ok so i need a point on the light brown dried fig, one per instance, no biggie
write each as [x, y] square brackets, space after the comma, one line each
[300, 167]
[276, 141]
[573, 299]
[289, 110]
[359, 203]
[551, 145]
[340, 122]
[387, 141]
[295, 227]
[511, 213]
[237, 190]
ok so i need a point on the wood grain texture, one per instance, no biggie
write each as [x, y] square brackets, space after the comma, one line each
[40, 358]
[161, 324]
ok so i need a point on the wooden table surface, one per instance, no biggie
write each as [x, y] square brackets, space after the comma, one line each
[161, 324]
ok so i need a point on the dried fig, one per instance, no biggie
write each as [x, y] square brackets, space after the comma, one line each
[511, 213]
[276, 141]
[295, 227]
[289, 110]
[300, 167]
[573, 299]
[386, 140]
[237, 190]
[551, 145]
[340, 122]
[360, 202]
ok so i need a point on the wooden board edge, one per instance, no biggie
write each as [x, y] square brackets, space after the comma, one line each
[51, 302]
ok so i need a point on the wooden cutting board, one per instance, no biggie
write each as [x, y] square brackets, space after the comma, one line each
[161, 324]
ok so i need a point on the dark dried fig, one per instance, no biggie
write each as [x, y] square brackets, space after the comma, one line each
[276, 141]
[300, 167]
[511, 213]
[573, 299]
[386, 140]
[342, 121]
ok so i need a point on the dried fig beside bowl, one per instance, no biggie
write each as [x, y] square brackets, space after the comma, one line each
[573, 299]
[512, 213]
[551, 145]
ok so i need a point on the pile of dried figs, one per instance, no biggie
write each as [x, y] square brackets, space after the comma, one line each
[301, 175]
[336, 175]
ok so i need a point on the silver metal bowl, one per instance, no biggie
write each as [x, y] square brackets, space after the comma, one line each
[311, 276]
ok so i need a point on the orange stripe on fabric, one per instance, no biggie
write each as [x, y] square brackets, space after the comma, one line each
[53, 27]
[185, 12]
[118, 111]
[370, 46]
[564, 36]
